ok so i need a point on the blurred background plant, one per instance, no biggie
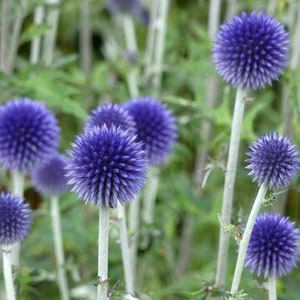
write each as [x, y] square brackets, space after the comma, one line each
[82, 59]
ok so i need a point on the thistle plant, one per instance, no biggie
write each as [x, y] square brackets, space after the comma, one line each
[28, 135]
[107, 168]
[249, 52]
[49, 179]
[15, 223]
[273, 248]
[115, 115]
[273, 163]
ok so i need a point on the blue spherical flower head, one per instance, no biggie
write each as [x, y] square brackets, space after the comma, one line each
[28, 134]
[111, 114]
[15, 219]
[49, 177]
[156, 127]
[250, 51]
[124, 6]
[107, 165]
[273, 161]
[273, 248]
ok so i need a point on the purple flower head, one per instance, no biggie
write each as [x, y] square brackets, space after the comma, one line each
[28, 134]
[49, 177]
[107, 165]
[15, 219]
[111, 114]
[273, 161]
[132, 7]
[250, 51]
[273, 248]
[156, 127]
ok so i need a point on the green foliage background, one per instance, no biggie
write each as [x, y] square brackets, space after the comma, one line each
[66, 89]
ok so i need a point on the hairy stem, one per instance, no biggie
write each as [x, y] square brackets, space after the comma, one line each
[229, 184]
[127, 267]
[272, 291]
[102, 285]
[131, 45]
[7, 272]
[35, 50]
[59, 249]
[85, 38]
[245, 240]
[17, 189]
[50, 37]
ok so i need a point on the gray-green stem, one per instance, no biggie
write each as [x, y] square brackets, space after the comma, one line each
[245, 240]
[160, 45]
[59, 249]
[102, 281]
[127, 267]
[131, 45]
[134, 214]
[35, 50]
[272, 290]
[50, 37]
[7, 272]
[150, 196]
[17, 179]
[230, 175]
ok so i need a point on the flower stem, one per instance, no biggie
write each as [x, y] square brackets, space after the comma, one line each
[150, 196]
[85, 38]
[230, 174]
[59, 250]
[12, 53]
[131, 45]
[17, 189]
[102, 287]
[125, 250]
[39, 14]
[134, 211]
[272, 291]
[160, 45]
[7, 272]
[245, 240]
[49, 40]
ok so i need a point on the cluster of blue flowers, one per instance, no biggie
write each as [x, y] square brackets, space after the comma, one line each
[250, 52]
[108, 162]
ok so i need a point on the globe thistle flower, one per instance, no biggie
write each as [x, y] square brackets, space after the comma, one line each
[274, 161]
[49, 177]
[155, 125]
[273, 246]
[106, 165]
[15, 219]
[111, 114]
[132, 7]
[28, 134]
[250, 51]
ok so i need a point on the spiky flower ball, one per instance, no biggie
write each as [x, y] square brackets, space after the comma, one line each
[49, 177]
[250, 51]
[273, 161]
[123, 6]
[156, 127]
[15, 219]
[107, 165]
[273, 249]
[111, 114]
[28, 134]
